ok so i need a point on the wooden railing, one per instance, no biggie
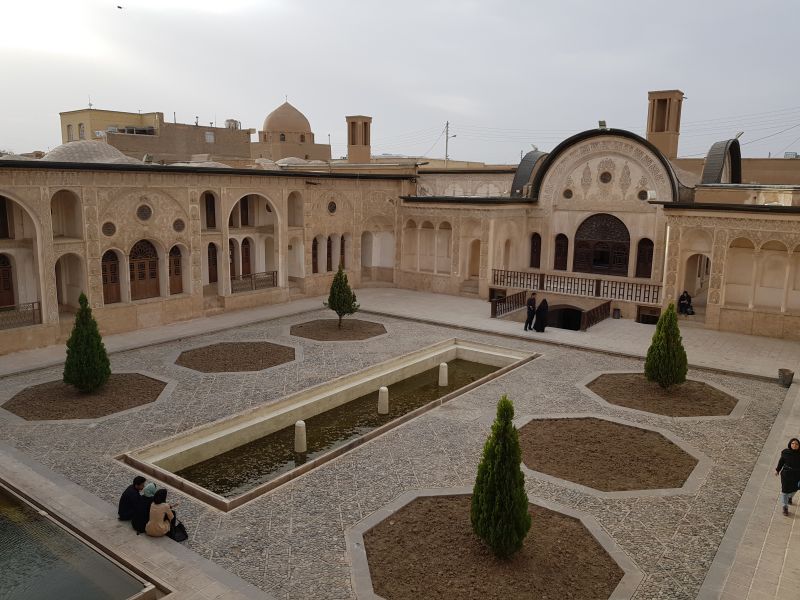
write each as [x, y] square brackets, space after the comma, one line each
[595, 315]
[254, 281]
[502, 306]
[20, 315]
[577, 285]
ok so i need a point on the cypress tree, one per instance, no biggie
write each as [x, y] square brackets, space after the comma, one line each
[499, 512]
[666, 359]
[341, 298]
[87, 366]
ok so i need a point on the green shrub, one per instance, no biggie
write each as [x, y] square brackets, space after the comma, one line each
[87, 366]
[666, 359]
[341, 299]
[499, 511]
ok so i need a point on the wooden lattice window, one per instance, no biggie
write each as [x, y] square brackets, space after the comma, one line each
[536, 251]
[329, 257]
[175, 271]
[3, 219]
[211, 211]
[246, 269]
[602, 246]
[212, 263]
[110, 269]
[315, 256]
[6, 281]
[561, 253]
[644, 258]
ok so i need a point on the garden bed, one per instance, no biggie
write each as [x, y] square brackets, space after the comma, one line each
[688, 399]
[233, 357]
[427, 550]
[604, 455]
[327, 330]
[55, 400]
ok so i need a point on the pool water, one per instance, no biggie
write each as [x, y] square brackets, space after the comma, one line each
[241, 469]
[41, 561]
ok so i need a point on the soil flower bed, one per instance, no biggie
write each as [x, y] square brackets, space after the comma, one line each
[427, 550]
[327, 330]
[689, 399]
[55, 400]
[232, 357]
[604, 455]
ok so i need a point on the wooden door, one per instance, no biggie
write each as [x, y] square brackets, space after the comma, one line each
[6, 282]
[329, 261]
[175, 271]
[211, 212]
[144, 271]
[111, 291]
[644, 258]
[246, 257]
[212, 263]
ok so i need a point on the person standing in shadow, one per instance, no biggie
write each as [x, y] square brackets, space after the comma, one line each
[531, 311]
[541, 317]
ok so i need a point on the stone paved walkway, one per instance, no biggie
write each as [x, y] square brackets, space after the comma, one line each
[290, 542]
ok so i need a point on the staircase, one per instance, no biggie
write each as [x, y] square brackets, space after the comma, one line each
[470, 287]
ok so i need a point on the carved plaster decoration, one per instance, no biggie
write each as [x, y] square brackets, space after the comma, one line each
[588, 160]
[625, 179]
[586, 179]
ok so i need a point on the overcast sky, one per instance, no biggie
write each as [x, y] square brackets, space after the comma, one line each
[506, 74]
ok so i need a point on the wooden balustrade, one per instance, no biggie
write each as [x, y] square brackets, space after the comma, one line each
[254, 281]
[578, 285]
[502, 306]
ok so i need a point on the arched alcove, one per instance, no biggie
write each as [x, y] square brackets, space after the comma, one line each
[65, 211]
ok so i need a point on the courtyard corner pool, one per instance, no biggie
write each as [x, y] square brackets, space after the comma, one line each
[40, 560]
[231, 461]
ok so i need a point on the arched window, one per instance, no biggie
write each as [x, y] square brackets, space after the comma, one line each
[111, 291]
[315, 256]
[246, 270]
[70, 134]
[212, 263]
[283, 137]
[644, 258]
[341, 252]
[536, 251]
[211, 211]
[143, 265]
[329, 258]
[175, 271]
[561, 253]
[602, 246]
[302, 138]
[81, 131]
[6, 281]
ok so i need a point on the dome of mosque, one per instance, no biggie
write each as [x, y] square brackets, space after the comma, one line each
[286, 118]
[88, 151]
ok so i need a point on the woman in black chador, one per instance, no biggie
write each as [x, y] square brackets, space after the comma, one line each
[789, 470]
[541, 317]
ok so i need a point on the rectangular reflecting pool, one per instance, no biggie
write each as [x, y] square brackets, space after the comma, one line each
[238, 470]
[40, 560]
[231, 461]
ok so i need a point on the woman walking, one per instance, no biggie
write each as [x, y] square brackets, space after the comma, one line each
[789, 470]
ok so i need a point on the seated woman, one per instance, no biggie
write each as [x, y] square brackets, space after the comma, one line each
[685, 304]
[162, 517]
[142, 514]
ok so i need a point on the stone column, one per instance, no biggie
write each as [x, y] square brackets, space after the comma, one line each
[755, 274]
[787, 277]
[716, 283]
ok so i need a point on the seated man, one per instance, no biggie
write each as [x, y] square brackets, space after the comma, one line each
[130, 499]
[685, 304]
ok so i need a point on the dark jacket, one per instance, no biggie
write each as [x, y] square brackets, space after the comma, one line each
[128, 503]
[789, 468]
[531, 304]
[541, 316]
[142, 515]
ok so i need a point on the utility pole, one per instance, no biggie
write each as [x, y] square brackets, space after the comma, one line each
[447, 138]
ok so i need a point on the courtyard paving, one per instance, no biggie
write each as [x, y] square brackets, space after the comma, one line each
[291, 543]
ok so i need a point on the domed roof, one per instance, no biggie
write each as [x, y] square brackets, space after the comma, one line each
[88, 151]
[286, 118]
[291, 160]
[205, 164]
